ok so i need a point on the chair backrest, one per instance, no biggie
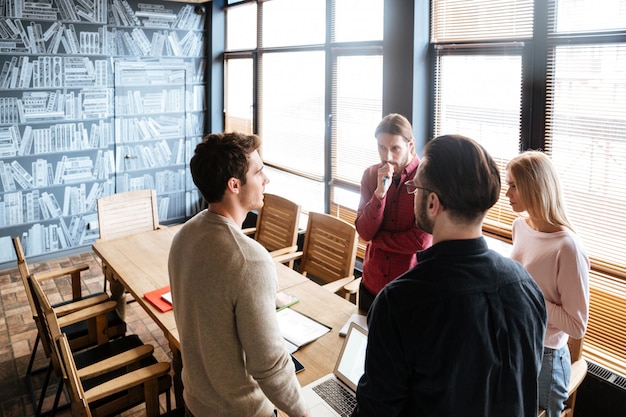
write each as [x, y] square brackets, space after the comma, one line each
[116, 391]
[329, 250]
[25, 274]
[22, 266]
[47, 321]
[24, 269]
[148, 379]
[50, 325]
[126, 213]
[69, 373]
[277, 223]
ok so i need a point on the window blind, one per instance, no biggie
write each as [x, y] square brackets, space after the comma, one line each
[478, 81]
[292, 120]
[481, 20]
[605, 340]
[585, 131]
[357, 101]
[357, 111]
[479, 95]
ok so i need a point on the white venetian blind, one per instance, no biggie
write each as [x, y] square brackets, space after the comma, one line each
[481, 20]
[478, 81]
[292, 122]
[586, 139]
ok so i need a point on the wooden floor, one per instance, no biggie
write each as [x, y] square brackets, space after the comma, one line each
[18, 331]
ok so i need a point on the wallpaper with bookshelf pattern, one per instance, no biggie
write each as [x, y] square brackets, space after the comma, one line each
[96, 97]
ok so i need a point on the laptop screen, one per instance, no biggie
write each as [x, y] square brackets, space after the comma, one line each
[351, 364]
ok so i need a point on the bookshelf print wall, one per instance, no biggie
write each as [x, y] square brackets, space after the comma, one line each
[96, 97]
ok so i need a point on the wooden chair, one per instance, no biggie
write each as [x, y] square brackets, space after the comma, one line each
[106, 379]
[125, 213]
[277, 225]
[130, 212]
[329, 251]
[81, 334]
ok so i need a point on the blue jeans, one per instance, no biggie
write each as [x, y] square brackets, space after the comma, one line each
[556, 370]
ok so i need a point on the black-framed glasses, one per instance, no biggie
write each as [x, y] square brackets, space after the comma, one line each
[412, 188]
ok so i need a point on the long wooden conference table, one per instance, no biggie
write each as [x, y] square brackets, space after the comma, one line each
[138, 264]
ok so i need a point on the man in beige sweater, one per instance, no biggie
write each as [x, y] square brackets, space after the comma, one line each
[223, 290]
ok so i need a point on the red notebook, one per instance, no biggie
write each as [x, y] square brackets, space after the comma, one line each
[155, 298]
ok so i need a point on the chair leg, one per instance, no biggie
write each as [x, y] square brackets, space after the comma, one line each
[57, 397]
[30, 372]
[33, 354]
[44, 390]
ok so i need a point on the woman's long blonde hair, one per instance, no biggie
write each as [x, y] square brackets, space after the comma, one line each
[538, 185]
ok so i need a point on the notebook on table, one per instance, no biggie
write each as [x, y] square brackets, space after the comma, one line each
[335, 394]
[156, 299]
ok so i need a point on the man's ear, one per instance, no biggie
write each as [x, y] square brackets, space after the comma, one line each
[411, 143]
[233, 185]
[433, 205]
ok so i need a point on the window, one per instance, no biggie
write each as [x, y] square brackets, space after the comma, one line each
[315, 67]
[586, 138]
[292, 113]
[560, 87]
[479, 51]
[239, 103]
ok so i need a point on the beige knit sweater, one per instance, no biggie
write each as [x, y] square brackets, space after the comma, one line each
[223, 291]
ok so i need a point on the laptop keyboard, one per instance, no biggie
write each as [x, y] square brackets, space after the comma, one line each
[337, 396]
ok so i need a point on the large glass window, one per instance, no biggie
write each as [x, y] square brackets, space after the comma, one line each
[293, 23]
[241, 27]
[292, 114]
[239, 95]
[358, 104]
[358, 20]
[479, 95]
[586, 137]
[316, 69]
[560, 87]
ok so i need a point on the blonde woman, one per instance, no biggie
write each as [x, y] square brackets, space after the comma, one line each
[545, 243]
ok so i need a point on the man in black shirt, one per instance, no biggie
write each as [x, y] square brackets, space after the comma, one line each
[460, 334]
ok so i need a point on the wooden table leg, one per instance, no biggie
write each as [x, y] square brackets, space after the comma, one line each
[177, 364]
[118, 292]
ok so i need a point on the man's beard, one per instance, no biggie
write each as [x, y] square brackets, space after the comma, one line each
[421, 219]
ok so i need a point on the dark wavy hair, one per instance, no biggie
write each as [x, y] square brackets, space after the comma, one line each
[462, 174]
[219, 157]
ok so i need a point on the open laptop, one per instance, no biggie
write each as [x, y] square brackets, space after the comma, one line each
[334, 394]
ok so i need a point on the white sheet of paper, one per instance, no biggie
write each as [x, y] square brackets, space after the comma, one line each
[298, 328]
[167, 297]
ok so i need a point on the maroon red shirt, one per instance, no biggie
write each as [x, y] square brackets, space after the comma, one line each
[389, 227]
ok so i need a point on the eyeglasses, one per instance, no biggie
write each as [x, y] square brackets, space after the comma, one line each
[412, 188]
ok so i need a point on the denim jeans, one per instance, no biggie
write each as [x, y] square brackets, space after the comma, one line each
[553, 381]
